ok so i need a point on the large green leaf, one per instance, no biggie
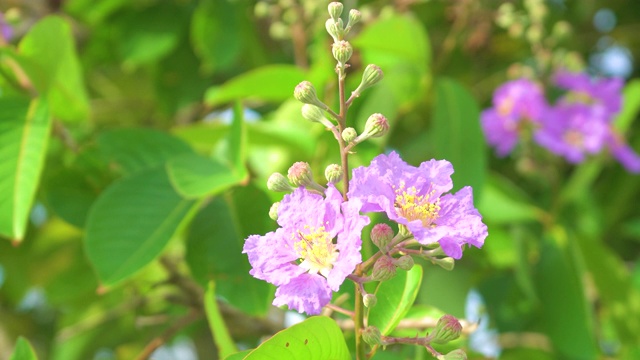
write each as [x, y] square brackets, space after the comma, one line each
[395, 298]
[23, 351]
[267, 83]
[131, 222]
[457, 136]
[49, 57]
[138, 149]
[219, 330]
[316, 338]
[24, 133]
[195, 176]
[565, 314]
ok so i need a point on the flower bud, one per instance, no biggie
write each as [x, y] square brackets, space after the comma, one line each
[333, 173]
[369, 300]
[381, 235]
[342, 51]
[312, 113]
[376, 126]
[383, 269]
[273, 211]
[354, 18]
[372, 335]
[334, 28]
[445, 263]
[404, 262]
[277, 182]
[372, 75]
[349, 134]
[306, 94]
[335, 10]
[447, 329]
[299, 174]
[458, 354]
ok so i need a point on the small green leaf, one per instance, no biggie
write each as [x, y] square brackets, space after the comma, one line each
[219, 330]
[395, 298]
[195, 176]
[131, 222]
[136, 150]
[268, 83]
[630, 105]
[23, 351]
[24, 134]
[457, 136]
[316, 338]
[49, 57]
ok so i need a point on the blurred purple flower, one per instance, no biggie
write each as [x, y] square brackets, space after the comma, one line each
[515, 104]
[6, 31]
[572, 131]
[413, 196]
[604, 96]
[300, 257]
[623, 152]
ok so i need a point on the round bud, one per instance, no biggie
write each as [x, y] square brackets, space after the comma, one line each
[273, 211]
[381, 235]
[299, 174]
[354, 17]
[333, 173]
[376, 126]
[342, 51]
[312, 113]
[404, 262]
[306, 94]
[372, 75]
[372, 336]
[447, 329]
[335, 10]
[349, 134]
[277, 182]
[383, 269]
[369, 300]
[334, 28]
[458, 354]
[445, 263]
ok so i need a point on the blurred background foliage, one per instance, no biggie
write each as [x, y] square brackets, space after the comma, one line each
[137, 136]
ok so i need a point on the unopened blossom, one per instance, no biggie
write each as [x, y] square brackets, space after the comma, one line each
[572, 131]
[315, 248]
[516, 105]
[602, 95]
[415, 197]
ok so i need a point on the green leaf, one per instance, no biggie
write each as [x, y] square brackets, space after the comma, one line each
[565, 314]
[316, 338]
[268, 83]
[70, 195]
[239, 355]
[49, 57]
[630, 105]
[457, 136]
[195, 176]
[131, 222]
[23, 351]
[503, 203]
[24, 133]
[219, 330]
[395, 298]
[136, 150]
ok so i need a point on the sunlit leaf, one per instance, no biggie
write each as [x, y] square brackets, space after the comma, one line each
[23, 351]
[395, 298]
[630, 105]
[219, 330]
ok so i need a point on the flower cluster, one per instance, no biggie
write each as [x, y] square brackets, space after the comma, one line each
[579, 124]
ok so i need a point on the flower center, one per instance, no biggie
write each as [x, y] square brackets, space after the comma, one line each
[316, 250]
[412, 206]
[505, 106]
[574, 138]
[580, 97]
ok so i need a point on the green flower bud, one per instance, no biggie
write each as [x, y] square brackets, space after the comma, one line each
[312, 113]
[300, 174]
[335, 29]
[306, 94]
[447, 329]
[376, 126]
[273, 211]
[372, 336]
[372, 75]
[354, 18]
[445, 263]
[342, 51]
[458, 354]
[277, 182]
[383, 269]
[381, 235]
[369, 300]
[404, 262]
[335, 10]
[349, 134]
[333, 173]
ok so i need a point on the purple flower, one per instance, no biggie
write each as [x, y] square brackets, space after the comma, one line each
[301, 257]
[515, 104]
[623, 152]
[413, 196]
[602, 95]
[6, 31]
[572, 131]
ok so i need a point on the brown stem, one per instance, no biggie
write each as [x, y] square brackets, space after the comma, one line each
[169, 333]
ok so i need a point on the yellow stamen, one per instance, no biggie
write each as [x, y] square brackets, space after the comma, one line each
[316, 250]
[412, 206]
